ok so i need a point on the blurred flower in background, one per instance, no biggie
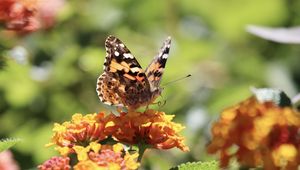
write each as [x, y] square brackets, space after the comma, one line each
[7, 161]
[26, 16]
[257, 134]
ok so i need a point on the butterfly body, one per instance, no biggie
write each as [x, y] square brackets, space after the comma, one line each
[124, 82]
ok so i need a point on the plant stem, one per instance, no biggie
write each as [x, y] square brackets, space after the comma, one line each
[142, 149]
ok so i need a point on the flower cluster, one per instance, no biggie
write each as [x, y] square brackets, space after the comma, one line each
[258, 134]
[152, 128]
[28, 15]
[80, 131]
[98, 141]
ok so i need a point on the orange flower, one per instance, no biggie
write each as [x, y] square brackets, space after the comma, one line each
[152, 128]
[264, 134]
[80, 131]
[56, 163]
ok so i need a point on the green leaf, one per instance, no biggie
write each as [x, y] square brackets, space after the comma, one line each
[211, 165]
[7, 143]
[274, 95]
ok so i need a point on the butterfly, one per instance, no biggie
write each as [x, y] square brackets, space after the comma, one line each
[124, 83]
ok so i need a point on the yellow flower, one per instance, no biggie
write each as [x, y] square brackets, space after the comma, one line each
[82, 152]
[87, 165]
[130, 160]
[80, 131]
[264, 134]
[152, 128]
[109, 157]
[283, 154]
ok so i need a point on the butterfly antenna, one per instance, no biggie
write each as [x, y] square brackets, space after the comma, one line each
[173, 81]
[161, 103]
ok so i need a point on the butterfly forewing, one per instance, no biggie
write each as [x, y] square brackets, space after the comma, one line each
[118, 57]
[155, 69]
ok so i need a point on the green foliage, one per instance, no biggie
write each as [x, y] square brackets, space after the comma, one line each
[210, 165]
[57, 77]
[8, 143]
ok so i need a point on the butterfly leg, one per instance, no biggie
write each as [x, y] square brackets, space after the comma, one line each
[147, 108]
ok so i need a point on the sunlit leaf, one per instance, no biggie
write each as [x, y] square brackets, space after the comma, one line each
[7, 143]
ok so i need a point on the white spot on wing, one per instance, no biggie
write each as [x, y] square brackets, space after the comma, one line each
[135, 69]
[117, 53]
[122, 45]
[165, 56]
[128, 55]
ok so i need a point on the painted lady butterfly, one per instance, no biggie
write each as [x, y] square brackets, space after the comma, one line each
[124, 82]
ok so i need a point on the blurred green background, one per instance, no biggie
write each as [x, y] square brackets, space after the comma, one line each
[49, 75]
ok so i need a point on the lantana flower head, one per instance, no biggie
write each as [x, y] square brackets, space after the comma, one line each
[263, 133]
[152, 128]
[108, 157]
[80, 131]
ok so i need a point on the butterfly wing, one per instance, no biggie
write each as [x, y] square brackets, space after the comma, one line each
[106, 90]
[155, 69]
[130, 86]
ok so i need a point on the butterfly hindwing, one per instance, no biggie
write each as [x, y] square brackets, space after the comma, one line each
[106, 89]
